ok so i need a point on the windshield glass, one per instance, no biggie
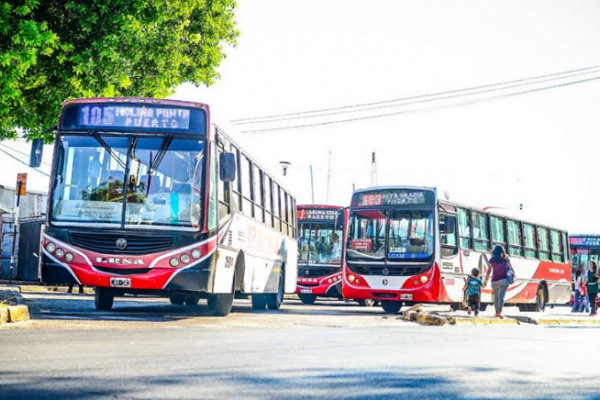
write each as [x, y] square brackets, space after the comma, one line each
[409, 235]
[90, 183]
[320, 243]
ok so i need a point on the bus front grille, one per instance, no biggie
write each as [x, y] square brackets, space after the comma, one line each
[106, 243]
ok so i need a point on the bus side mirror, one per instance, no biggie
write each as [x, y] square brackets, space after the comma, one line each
[227, 167]
[339, 221]
[449, 225]
[37, 150]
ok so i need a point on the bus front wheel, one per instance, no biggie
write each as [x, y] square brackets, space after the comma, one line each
[391, 307]
[307, 298]
[219, 305]
[176, 299]
[104, 298]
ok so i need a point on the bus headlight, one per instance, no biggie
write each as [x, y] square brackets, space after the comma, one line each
[351, 278]
[174, 262]
[51, 247]
[196, 254]
[60, 253]
[69, 257]
[424, 279]
[185, 258]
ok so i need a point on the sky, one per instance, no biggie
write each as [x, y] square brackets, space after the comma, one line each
[539, 149]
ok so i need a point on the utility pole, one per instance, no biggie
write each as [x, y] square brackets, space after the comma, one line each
[312, 184]
[328, 179]
[373, 170]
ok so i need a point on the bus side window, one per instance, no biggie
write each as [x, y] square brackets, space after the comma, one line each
[259, 199]
[514, 238]
[268, 201]
[498, 231]
[481, 236]
[556, 246]
[235, 185]
[529, 241]
[448, 235]
[544, 244]
[246, 184]
[565, 248]
[464, 228]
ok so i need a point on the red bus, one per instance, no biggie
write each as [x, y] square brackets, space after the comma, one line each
[147, 196]
[405, 246]
[320, 239]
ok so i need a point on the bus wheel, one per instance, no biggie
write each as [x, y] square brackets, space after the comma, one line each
[103, 298]
[259, 302]
[540, 301]
[274, 300]
[176, 299]
[307, 298]
[366, 303]
[192, 300]
[219, 305]
[391, 307]
[482, 306]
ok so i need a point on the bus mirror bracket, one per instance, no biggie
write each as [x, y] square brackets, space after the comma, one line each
[227, 167]
[37, 151]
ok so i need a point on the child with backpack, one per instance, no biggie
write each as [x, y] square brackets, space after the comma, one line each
[473, 290]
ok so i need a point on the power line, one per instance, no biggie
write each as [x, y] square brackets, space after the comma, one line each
[441, 107]
[16, 159]
[20, 152]
[427, 100]
[413, 97]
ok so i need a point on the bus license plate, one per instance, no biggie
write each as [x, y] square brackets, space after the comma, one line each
[305, 290]
[120, 282]
[406, 296]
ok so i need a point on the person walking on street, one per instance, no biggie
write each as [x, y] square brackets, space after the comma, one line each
[592, 286]
[580, 293]
[499, 264]
[473, 290]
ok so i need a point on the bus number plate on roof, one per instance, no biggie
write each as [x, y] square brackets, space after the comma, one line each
[134, 116]
[392, 197]
[317, 214]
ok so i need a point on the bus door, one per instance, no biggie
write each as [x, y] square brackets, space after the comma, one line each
[450, 265]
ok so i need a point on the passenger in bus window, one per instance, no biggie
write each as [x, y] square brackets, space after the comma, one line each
[499, 265]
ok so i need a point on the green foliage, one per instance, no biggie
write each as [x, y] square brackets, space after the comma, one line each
[52, 50]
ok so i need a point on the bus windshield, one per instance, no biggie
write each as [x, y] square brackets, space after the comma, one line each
[399, 235]
[163, 187]
[320, 243]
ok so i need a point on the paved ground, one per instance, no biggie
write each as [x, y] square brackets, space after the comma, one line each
[147, 348]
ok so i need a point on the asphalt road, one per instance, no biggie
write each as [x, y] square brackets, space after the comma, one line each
[147, 348]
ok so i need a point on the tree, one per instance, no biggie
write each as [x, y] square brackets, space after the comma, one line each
[52, 50]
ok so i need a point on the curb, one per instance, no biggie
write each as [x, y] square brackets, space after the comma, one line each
[56, 289]
[482, 321]
[14, 313]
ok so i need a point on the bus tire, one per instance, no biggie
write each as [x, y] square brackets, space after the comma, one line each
[366, 303]
[391, 307]
[177, 299]
[541, 299]
[274, 300]
[307, 298]
[104, 298]
[220, 305]
[259, 302]
[482, 306]
[192, 300]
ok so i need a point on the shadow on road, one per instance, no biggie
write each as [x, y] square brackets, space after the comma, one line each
[350, 384]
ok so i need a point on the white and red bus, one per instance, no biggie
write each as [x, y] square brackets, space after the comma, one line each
[405, 246]
[320, 243]
[147, 196]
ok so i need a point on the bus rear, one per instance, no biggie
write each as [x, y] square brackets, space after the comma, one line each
[391, 247]
[320, 239]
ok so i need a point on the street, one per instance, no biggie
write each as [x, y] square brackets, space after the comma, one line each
[147, 348]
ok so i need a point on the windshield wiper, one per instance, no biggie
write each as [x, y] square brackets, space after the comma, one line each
[108, 149]
[162, 150]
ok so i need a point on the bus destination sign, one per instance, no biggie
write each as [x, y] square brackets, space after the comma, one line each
[585, 241]
[393, 197]
[133, 116]
[317, 214]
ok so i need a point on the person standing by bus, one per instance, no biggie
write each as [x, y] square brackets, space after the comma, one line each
[500, 265]
[592, 286]
[579, 293]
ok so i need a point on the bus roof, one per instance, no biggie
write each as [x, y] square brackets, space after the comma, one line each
[329, 207]
[136, 100]
[392, 187]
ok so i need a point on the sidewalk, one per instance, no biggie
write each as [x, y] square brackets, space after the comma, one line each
[32, 287]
